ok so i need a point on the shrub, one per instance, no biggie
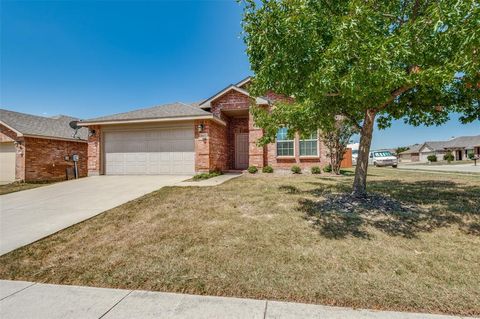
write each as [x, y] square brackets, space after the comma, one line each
[448, 157]
[327, 168]
[267, 169]
[432, 158]
[471, 156]
[252, 169]
[203, 176]
[316, 170]
[296, 169]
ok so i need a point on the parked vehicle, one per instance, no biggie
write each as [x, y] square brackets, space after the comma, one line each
[383, 158]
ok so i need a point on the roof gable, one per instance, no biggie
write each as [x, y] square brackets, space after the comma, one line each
[208, 102]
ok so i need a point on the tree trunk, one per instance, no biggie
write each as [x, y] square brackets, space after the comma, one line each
[360, 181]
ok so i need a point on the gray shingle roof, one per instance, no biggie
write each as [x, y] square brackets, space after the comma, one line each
[415, 148]
[464, 141]
[437, 145]
[56, 127]
[172, 110]
[458, 142]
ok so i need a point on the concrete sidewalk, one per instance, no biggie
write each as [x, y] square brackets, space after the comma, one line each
[214, 181]
[20, 299]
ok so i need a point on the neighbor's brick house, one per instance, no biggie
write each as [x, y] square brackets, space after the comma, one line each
[37, 148]
[217, 134]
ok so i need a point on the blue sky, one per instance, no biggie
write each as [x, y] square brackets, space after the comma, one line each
[88, 58]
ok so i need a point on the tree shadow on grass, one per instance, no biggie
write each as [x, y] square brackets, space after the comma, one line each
[394, 207]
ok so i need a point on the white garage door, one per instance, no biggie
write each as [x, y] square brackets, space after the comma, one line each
[150, 152]
[7, 162]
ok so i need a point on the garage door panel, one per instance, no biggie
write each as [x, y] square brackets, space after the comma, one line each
[7, 162]
[156, 151]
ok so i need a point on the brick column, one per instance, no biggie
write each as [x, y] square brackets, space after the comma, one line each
[202, 148]
[255, 152]
[94, 151]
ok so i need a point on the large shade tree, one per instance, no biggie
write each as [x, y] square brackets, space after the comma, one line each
[367, 61]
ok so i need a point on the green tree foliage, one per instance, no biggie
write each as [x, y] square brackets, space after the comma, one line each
[366, 60]
[400, 149]
[448, 157]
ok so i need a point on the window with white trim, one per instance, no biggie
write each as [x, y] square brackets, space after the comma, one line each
[309, 146]
[284, 144]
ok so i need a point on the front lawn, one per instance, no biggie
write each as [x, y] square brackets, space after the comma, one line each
[263, 236]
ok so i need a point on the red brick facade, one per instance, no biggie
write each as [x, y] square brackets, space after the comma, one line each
[45, 158]
[94, 151]
[211, 149]
[215, 142]
[231, 101]
[42, 159]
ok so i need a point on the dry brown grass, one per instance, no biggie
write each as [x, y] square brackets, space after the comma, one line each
[18, 186]
[260, 237]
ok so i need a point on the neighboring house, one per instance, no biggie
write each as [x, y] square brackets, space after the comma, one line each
[460, 147]
[37, 148]
[410, 155]
[216, 134]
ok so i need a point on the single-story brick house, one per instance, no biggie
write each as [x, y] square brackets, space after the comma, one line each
[37, 148]
[216, 134]
[461, 147]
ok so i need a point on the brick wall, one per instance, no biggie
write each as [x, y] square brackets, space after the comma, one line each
[211, 147]
[256, 154]
[304, 162]
[232, 100]
[94, 151]
[45, 158]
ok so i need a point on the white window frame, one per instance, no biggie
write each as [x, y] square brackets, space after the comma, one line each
[277, 141]
[309, 140]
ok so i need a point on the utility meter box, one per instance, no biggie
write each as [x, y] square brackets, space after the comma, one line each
[75, 157]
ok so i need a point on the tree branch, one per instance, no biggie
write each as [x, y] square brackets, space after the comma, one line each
[352, 119]
[393, 95]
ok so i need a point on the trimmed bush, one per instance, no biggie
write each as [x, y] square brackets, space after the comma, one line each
[267, 169]
[432, 158]
[448, 157]
[252, 169]
[471, 156]
[296, 169]
[327, 168]
[203, 176]
[316, 170]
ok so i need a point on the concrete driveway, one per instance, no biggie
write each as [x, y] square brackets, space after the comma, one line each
[30, 215]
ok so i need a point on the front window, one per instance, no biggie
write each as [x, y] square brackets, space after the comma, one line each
[284, 144]
[309, 146]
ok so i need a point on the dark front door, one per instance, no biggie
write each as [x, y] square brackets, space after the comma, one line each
[241, 150]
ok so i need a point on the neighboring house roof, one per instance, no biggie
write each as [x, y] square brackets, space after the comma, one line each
[458, 142]
[434, 145]
[207, 103]
[464, 142]
[412, 149]
[39, 126]
[173, 111]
